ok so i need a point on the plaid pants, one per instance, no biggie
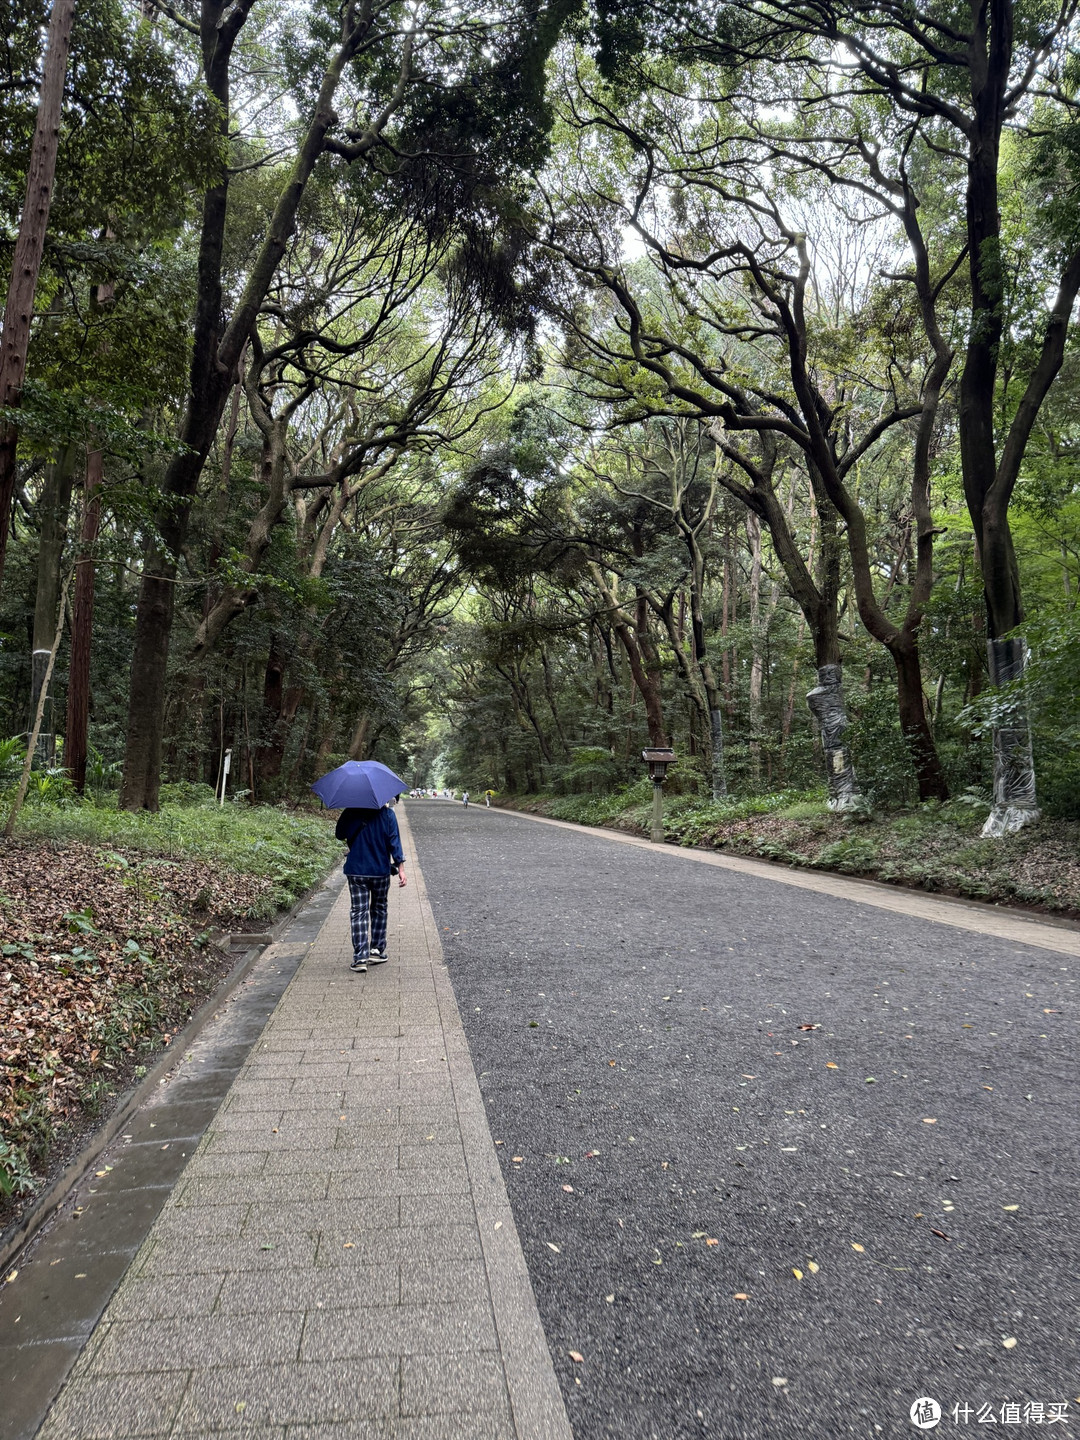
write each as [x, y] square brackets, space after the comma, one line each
[369, 895]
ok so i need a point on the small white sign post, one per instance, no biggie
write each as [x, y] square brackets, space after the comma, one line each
[226, 766]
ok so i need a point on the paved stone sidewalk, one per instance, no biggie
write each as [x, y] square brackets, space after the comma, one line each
[339, 1258]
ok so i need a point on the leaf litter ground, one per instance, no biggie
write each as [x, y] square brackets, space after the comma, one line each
[104, 954]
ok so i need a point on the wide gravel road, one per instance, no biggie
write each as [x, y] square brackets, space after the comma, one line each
[738, 1225]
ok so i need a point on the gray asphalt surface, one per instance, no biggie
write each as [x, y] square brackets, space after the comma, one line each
[634, 1020]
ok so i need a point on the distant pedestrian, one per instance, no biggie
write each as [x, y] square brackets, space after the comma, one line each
[375, 854]
[465, 798]
[487, 798]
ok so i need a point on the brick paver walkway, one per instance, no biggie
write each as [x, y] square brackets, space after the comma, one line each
[338, 1258]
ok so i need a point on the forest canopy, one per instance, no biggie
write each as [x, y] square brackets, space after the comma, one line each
[498, 392]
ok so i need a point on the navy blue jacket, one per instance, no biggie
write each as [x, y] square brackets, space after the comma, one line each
[373, 839]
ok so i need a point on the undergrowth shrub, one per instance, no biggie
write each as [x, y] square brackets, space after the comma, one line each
[293, 851]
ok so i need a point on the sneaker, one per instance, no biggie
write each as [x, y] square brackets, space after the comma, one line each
[377, 957]
[360, 966]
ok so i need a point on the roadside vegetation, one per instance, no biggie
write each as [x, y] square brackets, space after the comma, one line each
[108, 921]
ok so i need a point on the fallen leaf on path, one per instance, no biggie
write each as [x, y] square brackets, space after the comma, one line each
[860, 1248]
[1010, 1207]
[940, 1234]
[779, 1380]
[569, 1189]
[831, 1065]
[712, 1242]
[929, 1120]
[749, 1077]
[554, 1247]
[517, 1159]
[11, 1276]
[576, 1356]
[809, 1027]
[610, 1299]
[813, 1266]
[796, 1272]
[498, 1224]
[741, 1295]
[349, 1245]
[1009, 1342]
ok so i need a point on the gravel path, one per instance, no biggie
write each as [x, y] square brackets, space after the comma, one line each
[686, 1147]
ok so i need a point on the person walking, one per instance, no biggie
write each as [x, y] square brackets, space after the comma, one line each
[465, 798]
[375, 854]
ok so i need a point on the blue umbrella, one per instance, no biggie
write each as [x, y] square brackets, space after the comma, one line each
[367, 784]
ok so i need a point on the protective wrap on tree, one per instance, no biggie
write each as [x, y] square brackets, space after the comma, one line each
[1014, 765]
[826, 702]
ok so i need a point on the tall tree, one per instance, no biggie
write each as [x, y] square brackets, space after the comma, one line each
[989, 89]
[387, 71]
[29, 248]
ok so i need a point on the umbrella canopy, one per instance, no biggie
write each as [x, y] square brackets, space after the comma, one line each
[367, 784]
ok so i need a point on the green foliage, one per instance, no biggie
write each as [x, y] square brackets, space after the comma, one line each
[878, 749]
[16, 1177]
[293, 850]
[188, 794]
[12, 759]
[591, 768]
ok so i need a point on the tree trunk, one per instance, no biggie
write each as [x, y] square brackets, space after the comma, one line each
[55, 505]
[273, 755]
[29, 247]
[1014, 768]
[294, 770]
[549, 691]
[326, 742]
[826, 703]
[757, 657]
[913, 722]
[77, 728]
[273, 696]
[358, 743]
[628, 635]
[654, 672]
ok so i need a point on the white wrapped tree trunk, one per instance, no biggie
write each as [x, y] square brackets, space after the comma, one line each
[826, 702]
[1014, 764]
